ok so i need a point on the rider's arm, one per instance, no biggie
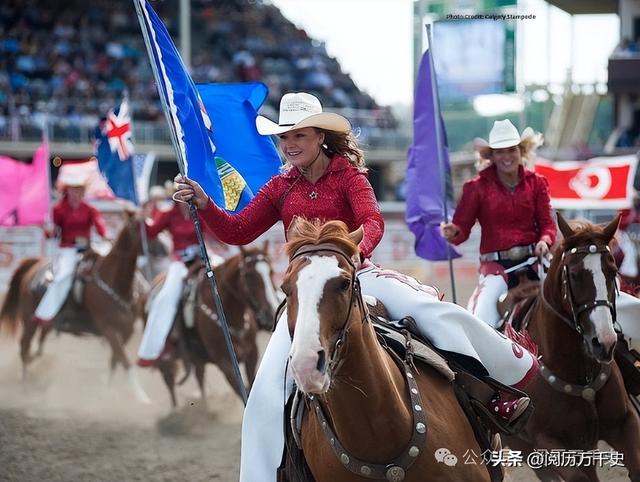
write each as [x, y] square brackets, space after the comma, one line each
[245, 226]
[365, 209]
[467, 212]
[98, 222]
[159, 223]
[543, 212]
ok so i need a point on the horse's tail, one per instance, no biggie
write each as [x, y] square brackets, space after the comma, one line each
[9, 312]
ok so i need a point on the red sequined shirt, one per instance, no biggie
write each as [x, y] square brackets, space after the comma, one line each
[179, 226]
[342, 193]
[75, 223]
[507, 219]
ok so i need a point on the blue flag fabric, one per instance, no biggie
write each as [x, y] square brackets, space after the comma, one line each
[114, 150]
[222, 126]
[424, 180]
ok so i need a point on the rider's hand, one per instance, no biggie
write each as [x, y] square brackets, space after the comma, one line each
[541, 249]
[187, 189]
[449, 230]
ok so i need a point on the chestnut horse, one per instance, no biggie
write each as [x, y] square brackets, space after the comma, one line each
[247, 294]
[579, 394]
[371, 414]
[108, 307]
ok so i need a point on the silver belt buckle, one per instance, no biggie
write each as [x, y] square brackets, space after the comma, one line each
[518, 252]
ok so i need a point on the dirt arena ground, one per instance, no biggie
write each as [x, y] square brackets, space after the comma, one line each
[67, 422]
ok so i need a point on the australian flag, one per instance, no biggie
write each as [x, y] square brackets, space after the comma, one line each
[114, 150]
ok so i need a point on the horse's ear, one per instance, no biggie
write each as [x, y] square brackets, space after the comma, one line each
[611, 228]
[243, 250]
[265, 246]
[357, 235]
[292, 227]
[565, 229]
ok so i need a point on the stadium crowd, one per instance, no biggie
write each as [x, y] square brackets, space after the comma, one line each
[73, 60]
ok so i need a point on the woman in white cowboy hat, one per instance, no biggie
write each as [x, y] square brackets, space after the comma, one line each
[513, 207]
[73, 218]
[325, 178]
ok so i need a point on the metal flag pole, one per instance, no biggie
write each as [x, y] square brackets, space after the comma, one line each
[440, 143]
[192, 208]
[143, 232]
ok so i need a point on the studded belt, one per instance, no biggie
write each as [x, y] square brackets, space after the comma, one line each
[513, 254]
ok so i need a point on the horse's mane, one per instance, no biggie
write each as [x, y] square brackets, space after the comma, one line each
[303, 232]
[584, 232]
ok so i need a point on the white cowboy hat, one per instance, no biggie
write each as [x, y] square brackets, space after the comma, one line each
[72, 179]
[298, 110]
[503, 135]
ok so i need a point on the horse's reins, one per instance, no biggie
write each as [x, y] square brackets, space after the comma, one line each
[355, 292]
[395, 470]
[567, 291]
[588, 391]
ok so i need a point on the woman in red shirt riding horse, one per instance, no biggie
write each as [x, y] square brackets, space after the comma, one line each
[325, 178]
[73, 218]
[513, 207]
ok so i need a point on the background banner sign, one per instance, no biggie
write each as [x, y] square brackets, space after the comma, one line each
[599, 183]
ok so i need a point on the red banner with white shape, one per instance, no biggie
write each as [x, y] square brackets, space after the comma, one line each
[599, 183]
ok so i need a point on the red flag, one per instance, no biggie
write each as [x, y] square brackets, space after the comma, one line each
[599, 183]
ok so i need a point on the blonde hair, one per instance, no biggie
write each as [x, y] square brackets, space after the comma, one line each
[342, 144]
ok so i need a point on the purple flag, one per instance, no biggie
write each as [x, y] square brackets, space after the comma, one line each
[424, 180]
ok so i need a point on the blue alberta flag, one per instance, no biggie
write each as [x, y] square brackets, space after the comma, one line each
[114, 150]
[213, 124]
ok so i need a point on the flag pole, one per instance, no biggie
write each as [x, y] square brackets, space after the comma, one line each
[143, 231]
[192, 210]
[440, 144]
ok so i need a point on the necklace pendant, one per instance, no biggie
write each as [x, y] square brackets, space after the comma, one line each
[313, 195]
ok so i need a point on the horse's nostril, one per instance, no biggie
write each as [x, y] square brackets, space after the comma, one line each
[595, 343]
[321, 361]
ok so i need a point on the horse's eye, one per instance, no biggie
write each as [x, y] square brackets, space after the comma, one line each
[344, 286]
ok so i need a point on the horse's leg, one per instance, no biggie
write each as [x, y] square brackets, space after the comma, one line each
[44, 331]
[626, 439]
[225, 365]
[29, 327]
[168, 370]
[119, 355]
[200, 369]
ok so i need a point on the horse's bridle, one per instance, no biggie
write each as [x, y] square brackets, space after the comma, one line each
[354, 286]
[567, 291]
[244, 260]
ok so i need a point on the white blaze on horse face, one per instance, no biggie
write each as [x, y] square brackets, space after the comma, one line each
[306, 338]
[600, 315]
[263, 268]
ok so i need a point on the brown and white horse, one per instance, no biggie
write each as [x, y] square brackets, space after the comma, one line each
[371, 415]
[248, 295]
[579, 394]
[108, 307]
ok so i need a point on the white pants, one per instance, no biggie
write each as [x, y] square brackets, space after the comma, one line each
[629, 265]
[57, 292]
[483, 304]
[162, 312]
[484, 299]
[448, 326]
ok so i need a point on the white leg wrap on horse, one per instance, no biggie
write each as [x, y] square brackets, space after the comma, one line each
[483, 301]
[137, 389]
[58, 290]
[450, 327]
[162, 312]
[263, 422]
[628, 316]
